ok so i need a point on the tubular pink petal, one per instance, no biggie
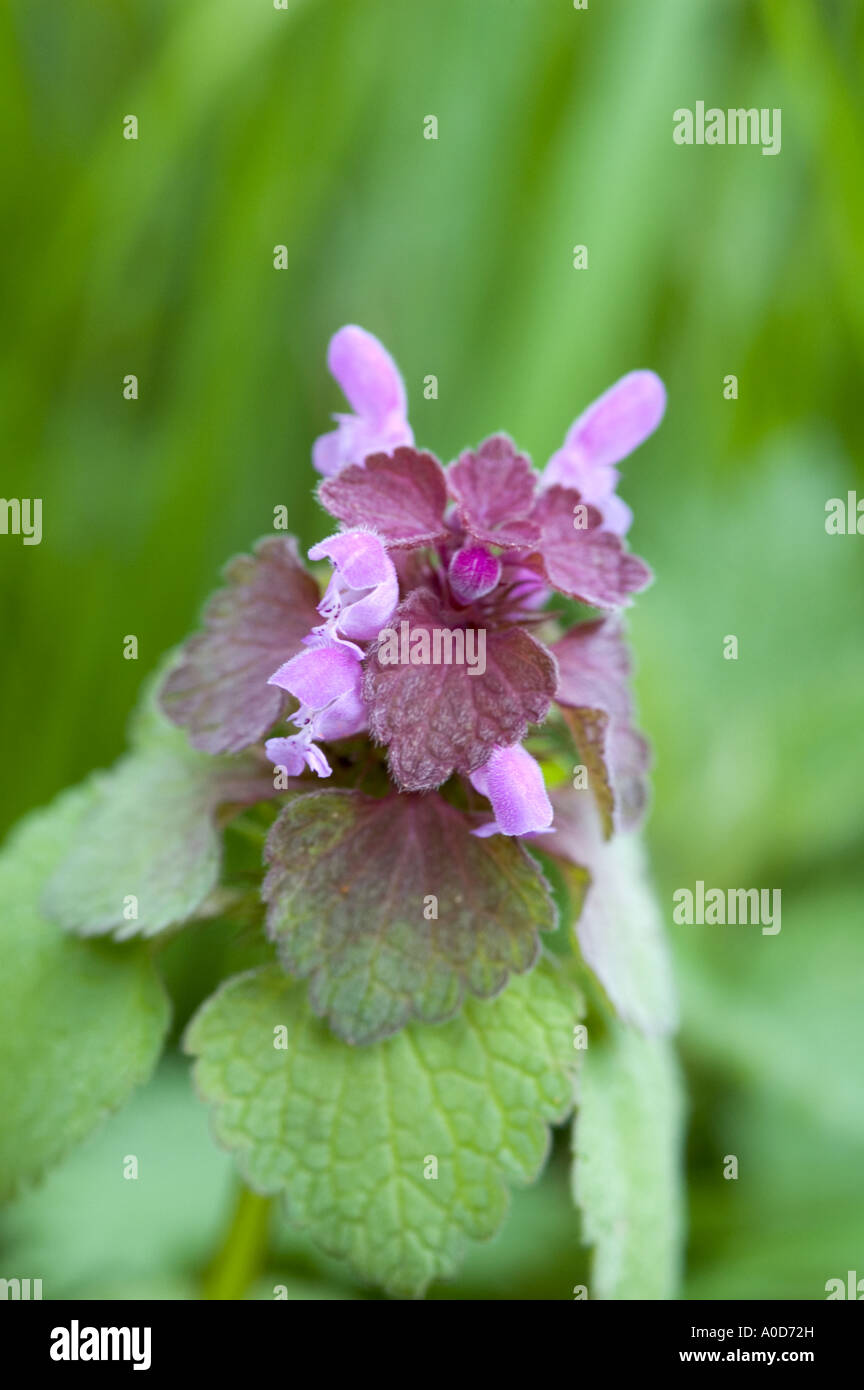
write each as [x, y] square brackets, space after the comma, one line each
[371, 382]
[367, 373]
[513, 782]
[605, 433]
[620, 420]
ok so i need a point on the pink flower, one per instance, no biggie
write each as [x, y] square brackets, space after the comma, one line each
[454, 566]
[373, 386]
[363, 590]
[513, 782]
[325, 678]
[610, 429]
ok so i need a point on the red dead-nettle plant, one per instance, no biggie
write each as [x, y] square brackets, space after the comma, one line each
[421, 818]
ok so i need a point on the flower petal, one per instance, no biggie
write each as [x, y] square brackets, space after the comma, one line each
[513, 782]
[605, 433]
[287, 753]
[367, 373]
[296, 753]
[319, 675]
[364, 589]
[615, 424]
[371, 382]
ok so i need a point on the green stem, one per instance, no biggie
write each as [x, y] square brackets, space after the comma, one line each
[239, 1259]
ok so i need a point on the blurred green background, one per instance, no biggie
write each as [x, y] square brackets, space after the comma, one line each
[304, 128]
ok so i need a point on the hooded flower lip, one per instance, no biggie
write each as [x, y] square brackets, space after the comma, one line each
[364, 588]
[604, 434]
[375, 391]
[326, 679]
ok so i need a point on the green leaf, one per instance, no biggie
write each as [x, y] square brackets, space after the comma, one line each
[148, 852]
[348, 1133]
[352, 885]
[627, 1164]
[82, 1023]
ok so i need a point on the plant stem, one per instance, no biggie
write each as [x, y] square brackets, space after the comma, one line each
[240, 1257]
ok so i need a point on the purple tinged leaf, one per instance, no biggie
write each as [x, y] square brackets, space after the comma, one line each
[437, 719]
[590, 730]
[593, 690]
[494, 489]
[151, 834]
[401, 496]
[594, 667]
[585, 562]
[394, 911]
[219, 691]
